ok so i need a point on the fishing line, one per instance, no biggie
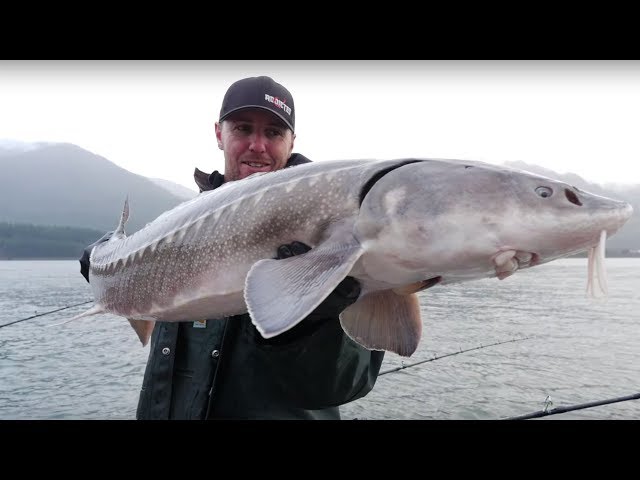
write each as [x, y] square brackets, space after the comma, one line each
[542, 413]
[45, 313]
[403, 366]
[538, 414]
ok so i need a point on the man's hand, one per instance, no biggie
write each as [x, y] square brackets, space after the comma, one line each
[292, 249]
[84, 260]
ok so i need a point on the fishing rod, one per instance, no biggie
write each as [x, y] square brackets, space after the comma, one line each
[554, 411]
[542, 413]
[45, 313]
[403, 366]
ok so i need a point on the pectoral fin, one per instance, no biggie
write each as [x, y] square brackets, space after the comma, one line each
[385, 320]
[143, 328]
[281, 293]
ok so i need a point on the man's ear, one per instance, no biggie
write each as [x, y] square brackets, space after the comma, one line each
[218, 128]
[293, 141]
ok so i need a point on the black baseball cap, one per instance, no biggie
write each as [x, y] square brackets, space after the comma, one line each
[259, 92]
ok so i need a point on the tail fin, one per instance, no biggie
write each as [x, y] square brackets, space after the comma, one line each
[92, 311]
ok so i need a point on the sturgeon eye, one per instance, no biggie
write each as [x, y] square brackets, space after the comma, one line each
[544, 192]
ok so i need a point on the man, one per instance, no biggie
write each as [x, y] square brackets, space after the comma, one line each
[223, 368]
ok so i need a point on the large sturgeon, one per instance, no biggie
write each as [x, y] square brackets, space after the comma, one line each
[397, 226]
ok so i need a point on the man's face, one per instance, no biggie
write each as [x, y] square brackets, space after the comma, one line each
[253, 140]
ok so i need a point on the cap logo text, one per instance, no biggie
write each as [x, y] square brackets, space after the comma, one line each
[278, 103]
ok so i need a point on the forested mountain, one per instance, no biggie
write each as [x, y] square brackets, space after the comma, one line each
[23, 241]
[43, 185]
[63, 184]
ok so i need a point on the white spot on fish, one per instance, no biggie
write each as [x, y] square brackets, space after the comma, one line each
[257, 198]
[392, 199]
[329, 176]
[179, 235]
[291, 185]
[200, 222]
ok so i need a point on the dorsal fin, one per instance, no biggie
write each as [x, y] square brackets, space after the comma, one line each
[119, 232]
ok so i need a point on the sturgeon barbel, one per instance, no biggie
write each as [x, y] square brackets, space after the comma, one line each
[397, 226]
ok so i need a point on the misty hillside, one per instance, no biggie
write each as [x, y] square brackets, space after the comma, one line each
[176, 189]
[628, 237]
[63, 184]
[22, 241]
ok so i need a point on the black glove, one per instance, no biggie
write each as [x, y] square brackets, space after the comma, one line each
[344, 294]
[84, 260]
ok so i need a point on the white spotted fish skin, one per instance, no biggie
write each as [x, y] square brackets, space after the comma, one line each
[397, 226]
[191, 262]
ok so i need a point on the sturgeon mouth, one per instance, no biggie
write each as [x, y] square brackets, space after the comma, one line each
[507, 262]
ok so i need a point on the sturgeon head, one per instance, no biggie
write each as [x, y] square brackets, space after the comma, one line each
[468, 220]
[436, 222]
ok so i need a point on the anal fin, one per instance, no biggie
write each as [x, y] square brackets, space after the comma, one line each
[385, 320]
[143, 329]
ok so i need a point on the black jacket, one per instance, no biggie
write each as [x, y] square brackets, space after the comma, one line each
[223, 368]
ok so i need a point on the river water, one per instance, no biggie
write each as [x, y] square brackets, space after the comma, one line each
[581, 349]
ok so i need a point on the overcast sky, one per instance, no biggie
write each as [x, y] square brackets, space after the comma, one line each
[157, 118]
